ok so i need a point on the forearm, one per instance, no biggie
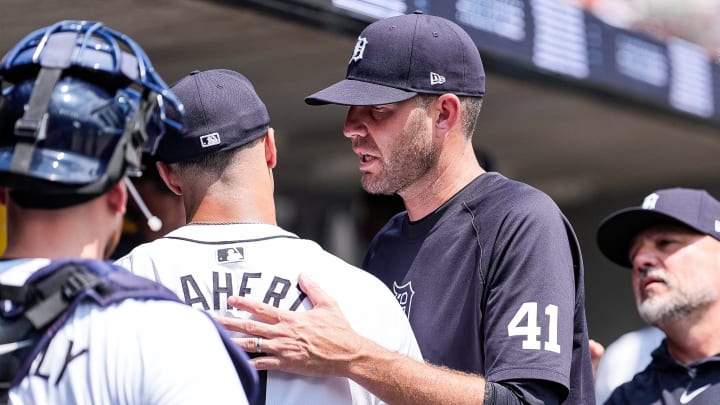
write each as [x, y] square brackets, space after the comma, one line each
[397, 379]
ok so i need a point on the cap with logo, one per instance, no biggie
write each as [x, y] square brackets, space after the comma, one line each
[398, 57]
[693, 208]
[222, 112]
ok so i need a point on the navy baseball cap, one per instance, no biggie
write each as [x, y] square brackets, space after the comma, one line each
[693, 208]
[222, 112]
[398, 57]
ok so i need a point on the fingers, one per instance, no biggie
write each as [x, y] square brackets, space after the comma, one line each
[265, 312]
[316, 295]
[266, 363]
[249, 344]
[246, 326]
[596, 352]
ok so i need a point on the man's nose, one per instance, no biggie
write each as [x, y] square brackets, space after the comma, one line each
[353, 122]
[644, 256]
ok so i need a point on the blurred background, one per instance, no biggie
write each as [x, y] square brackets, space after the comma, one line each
[595, 102]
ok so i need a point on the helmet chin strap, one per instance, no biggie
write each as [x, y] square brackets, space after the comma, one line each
[153, 222]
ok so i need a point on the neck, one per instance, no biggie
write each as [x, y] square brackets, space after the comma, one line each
[694, 337]
[440, 184]
[54, 234]
[245, 205]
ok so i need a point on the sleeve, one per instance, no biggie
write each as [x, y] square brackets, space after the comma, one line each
[530, 296]
[139, 263]
[525, 392]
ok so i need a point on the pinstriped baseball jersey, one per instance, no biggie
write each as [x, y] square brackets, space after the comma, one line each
[205, 264]
[115, 355]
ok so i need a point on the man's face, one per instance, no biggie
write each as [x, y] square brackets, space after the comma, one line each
[395, 145]
[676, 271]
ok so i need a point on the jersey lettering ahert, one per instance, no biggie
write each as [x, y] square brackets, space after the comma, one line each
[206, 264]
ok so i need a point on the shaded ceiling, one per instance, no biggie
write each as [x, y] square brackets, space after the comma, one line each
[571, 143]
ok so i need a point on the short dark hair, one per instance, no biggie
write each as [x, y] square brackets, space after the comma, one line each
[214, 163]
[471, 107]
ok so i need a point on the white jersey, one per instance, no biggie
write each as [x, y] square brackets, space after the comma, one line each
[132, 352]
[206, 264]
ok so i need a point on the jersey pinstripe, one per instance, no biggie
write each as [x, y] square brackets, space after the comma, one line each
[205, 264]
[115, 355]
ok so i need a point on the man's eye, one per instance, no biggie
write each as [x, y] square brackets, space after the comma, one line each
[665, 242]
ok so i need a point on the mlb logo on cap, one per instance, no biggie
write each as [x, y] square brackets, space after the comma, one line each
[222, 112]
[210, 140]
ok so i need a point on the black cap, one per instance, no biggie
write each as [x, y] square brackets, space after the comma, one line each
[693, 208]
[222, 112]
[396, 58]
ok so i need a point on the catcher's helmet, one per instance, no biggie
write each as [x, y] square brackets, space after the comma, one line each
[83, 103]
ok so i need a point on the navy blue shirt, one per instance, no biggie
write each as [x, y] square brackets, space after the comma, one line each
[492, 283]
[665, 381]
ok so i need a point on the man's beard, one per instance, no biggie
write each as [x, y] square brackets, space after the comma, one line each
[676, 303]
[410, 156]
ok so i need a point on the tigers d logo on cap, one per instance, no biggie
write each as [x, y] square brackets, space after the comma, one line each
[396, 58]
[692, 208]
[359, 49]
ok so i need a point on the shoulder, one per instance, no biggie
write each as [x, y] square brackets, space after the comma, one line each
[143, 251]
[499, 192]
[143, 259]
[338, 275]
[641, 389]
[152, 319]
[369, 305]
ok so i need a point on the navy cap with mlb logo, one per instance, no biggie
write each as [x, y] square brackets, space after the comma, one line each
[396, 58]
[222, 112]
[693, 208]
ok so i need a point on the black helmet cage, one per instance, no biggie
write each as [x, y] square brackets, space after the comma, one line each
[90, 52]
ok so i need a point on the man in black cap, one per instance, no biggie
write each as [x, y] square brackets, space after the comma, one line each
[221, 166]
[672, 244]
[487, 269]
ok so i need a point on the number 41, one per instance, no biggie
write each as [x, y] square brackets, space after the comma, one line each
[531, 330]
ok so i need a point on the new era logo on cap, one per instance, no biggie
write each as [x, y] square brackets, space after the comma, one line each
[436, 78]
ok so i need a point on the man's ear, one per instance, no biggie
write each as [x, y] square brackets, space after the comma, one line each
[270, 149]
[449, 108]
[117, 197]
[168, 175]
